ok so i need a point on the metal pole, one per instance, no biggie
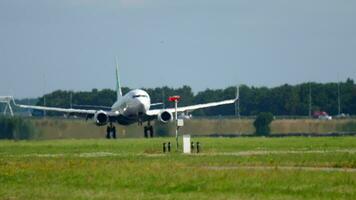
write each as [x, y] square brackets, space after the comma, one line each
[44, 104]
[71, 99]
[338, 98]
[236, 114]
[44, 94]
[238, 101]
[176, 118]
[5, 110]
[11, 112]
[310, 101]
[28, 110]
[8, 106]
[164, 105]
[238, 109]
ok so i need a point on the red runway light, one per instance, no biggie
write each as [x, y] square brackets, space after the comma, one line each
[174, 98]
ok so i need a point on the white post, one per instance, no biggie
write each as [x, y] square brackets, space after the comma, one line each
[186, 144]
[237, 102]
[176, 118]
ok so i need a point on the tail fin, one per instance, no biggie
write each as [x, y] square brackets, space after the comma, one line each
[118, 85]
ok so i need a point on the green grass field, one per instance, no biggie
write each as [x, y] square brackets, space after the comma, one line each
[239, 168]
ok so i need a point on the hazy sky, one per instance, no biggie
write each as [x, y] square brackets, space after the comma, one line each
[72, 44]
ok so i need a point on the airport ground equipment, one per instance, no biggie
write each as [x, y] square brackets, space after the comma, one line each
[192, 146]
[186, 144]
[175, 99]
[198, 147]
[7, 101]
[169, 146]
[164, 147]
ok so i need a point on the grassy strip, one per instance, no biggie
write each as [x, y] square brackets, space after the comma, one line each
[136, 169]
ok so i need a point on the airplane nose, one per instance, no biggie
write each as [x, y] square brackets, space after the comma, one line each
[144, 104]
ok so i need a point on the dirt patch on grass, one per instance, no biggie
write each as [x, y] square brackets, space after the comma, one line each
[253, 153]
[325, 169]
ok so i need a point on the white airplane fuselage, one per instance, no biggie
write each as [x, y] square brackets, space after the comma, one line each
[133, 104]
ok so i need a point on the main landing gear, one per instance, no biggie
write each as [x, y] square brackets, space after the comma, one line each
[148, 130]
[111, 131]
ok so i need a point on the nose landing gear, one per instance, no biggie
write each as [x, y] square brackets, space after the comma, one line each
[111, 131]
[148, 130]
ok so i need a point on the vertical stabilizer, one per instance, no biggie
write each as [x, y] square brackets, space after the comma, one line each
[118, 85]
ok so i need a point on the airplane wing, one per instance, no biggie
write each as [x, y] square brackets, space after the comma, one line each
[191, 108]
[91, 107]
[156, 112]
[63, 110]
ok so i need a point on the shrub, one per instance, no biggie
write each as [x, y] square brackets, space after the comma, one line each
[16, 128]
[262, 123]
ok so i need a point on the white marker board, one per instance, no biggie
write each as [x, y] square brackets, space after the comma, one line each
[186, 144]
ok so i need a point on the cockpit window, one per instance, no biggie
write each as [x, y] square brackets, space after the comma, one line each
[139, 95]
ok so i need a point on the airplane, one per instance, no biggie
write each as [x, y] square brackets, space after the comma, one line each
[133, 107]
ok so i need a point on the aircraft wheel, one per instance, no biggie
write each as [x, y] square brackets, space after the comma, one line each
[145, 130]
[150, 128]
[108, 130]
[113, 131]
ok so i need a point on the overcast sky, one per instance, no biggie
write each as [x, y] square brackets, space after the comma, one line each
[71, 44]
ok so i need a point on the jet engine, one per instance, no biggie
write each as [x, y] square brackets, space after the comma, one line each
[101, 118]
[165, 116]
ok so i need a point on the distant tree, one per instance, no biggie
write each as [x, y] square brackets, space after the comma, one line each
[282, 100]
[262, 123]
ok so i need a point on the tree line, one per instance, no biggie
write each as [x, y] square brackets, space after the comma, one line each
[282, 100]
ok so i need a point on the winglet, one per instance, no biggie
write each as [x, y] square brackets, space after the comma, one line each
[118, 85]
